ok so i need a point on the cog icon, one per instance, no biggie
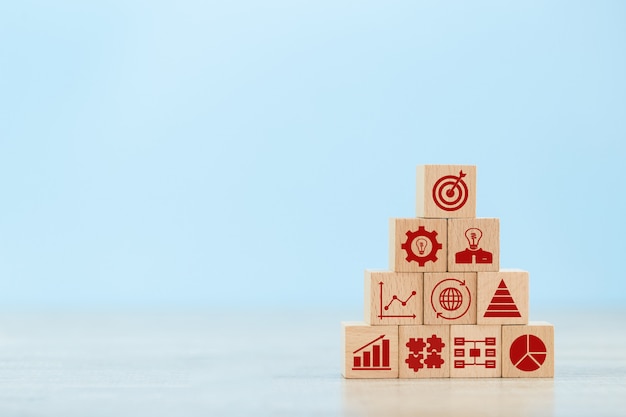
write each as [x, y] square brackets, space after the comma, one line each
[421, 246]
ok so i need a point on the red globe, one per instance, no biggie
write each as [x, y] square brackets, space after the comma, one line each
[450, 299]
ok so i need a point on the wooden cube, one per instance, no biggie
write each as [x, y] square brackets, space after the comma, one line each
[424, 351]
[450, 298]
[446, 191]
[393, 297]
[502, 297]
[474, 245]
[528, 351]
[418, 245]
[369, 351]
[475, 351]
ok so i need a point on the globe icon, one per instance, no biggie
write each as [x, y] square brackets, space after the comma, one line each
[450, 299]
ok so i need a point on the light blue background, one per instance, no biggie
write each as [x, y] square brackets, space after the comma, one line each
[197, 154]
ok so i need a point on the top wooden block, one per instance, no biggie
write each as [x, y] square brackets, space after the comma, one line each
[446, 191]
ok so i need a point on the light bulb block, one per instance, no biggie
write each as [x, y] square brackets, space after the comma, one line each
[528, 351]
[502, 297]
[450, 298]
[418, 245]
[474, 245]
[446, 191]
[369, 351]
[393, 297]
[424, 351]
[475, 351]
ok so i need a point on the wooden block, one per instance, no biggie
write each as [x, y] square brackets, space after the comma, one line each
[393, 297]
[418, 245]
[446, 191]
[474, 245]
[450, 298]
[369, 351]
[502, 297]
[424, 351]
[476, 351]
[528, 351]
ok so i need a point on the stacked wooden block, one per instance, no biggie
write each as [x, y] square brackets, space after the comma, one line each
[446, 309]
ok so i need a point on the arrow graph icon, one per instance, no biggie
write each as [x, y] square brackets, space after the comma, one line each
[395, 299]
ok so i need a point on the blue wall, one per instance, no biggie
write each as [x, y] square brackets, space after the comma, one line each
[198, 154]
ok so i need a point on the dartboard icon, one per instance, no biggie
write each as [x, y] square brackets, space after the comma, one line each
[450, 192]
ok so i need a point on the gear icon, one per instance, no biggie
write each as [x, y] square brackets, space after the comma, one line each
[426, 237]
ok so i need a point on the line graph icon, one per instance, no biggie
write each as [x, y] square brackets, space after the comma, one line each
[395, 300]
[376, 358]
[528, 353]
[450, 192]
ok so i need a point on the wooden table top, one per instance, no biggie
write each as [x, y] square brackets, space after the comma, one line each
[263, 363]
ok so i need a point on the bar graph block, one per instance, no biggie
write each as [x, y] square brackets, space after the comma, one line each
[369, 351]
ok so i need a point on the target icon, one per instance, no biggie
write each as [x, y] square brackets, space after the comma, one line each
[450, 192]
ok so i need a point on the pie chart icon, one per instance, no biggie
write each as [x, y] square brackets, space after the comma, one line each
[528, 353]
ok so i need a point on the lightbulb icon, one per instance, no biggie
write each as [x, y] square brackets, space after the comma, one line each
[473, 236]
[421, 243]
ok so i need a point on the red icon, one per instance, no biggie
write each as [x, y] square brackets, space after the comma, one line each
[374, 359]
[474, 352]
[450, 192]
[502, 304]
[431, 349]
[450, 299]
[421, 246]
[528, 353]
[474, 254]
[394, 299]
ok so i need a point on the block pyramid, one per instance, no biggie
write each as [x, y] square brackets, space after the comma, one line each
[445, 308]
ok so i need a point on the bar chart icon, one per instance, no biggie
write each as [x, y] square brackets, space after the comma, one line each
[374, 356]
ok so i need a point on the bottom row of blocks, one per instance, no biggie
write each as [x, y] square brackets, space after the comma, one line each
[457, 351]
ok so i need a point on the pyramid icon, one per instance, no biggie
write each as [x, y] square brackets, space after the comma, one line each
[502, 303]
